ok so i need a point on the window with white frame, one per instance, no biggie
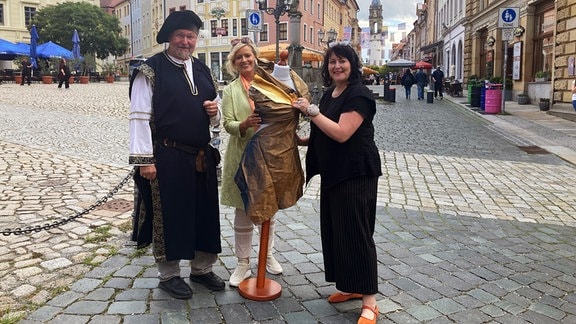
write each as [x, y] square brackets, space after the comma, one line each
[243, 26]
[283, 31]
[29, 13]
[263, 35]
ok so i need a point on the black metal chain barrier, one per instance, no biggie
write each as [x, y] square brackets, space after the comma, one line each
[98, 203]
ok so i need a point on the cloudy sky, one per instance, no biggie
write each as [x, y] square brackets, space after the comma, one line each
[394, 12]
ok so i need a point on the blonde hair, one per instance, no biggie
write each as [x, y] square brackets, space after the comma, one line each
[229, 65]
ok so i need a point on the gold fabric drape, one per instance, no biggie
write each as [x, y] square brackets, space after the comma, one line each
[270, 175]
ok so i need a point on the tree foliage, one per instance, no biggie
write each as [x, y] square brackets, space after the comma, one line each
[99, 32]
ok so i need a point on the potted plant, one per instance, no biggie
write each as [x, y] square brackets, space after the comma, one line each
[46, 71]
[74, 65]
[523, 99]
[18, 62]
[544, 104]
[541, 76]
[87, 67]
[109, 69]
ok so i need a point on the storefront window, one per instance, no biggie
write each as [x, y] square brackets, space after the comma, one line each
[544, 38]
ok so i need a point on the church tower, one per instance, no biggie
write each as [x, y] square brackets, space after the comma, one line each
[375, 19]
[376, 49]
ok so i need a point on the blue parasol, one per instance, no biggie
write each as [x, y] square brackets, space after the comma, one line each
[33, 42]
[51, 49]
[76, 48]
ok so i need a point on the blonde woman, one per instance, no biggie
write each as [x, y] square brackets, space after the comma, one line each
[242, 122]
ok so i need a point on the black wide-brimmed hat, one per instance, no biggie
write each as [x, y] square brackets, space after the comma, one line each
[185, 19]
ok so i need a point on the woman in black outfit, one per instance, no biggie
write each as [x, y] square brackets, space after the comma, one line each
[342, 150]
[63, 74]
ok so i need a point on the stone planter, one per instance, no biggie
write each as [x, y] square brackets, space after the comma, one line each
[84, 79]
[109, 79]
[523, 100]
[47, 79]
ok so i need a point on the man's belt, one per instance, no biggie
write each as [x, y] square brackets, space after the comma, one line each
[201, 164]
[182, 147]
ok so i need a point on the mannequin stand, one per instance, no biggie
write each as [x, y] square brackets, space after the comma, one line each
[261, 288]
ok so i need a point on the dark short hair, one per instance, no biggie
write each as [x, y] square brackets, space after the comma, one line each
[347, 52]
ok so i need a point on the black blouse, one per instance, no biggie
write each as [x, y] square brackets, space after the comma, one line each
[358, 156]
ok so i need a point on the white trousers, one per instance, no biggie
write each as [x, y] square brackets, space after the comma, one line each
[243, 230]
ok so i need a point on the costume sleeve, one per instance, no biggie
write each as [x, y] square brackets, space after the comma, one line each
[141, 146]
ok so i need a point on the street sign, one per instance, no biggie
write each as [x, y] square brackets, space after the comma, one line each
[508, 17]
[507, 34]
[254, 18]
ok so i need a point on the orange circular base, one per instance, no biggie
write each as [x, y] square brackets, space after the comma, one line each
[248, 289]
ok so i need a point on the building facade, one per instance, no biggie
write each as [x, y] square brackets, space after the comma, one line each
[537, 58]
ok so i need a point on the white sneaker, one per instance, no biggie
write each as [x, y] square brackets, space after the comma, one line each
[272, 266]
[241, 273]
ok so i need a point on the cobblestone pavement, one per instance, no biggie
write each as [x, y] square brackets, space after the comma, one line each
[470, 227]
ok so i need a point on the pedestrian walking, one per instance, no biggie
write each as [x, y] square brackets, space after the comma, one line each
[408, 80]
[421, 82]
[26, 72]
[342, 150]
[438, 79]
[63, 74]
[173, 104]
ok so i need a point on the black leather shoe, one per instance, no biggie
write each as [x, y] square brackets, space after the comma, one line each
[210, 280]
[176, 287]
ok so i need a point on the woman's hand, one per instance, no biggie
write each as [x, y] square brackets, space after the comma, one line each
[253, 120]
[302, 141]
[301, 104]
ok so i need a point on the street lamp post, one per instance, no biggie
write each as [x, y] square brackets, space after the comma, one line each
[282, 7]
[332, 34]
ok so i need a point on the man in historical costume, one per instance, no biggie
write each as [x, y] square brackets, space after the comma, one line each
[174, 102]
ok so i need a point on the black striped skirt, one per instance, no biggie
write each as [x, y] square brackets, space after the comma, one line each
[347, 218]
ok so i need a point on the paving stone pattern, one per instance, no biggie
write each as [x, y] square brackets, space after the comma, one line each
[470, 228]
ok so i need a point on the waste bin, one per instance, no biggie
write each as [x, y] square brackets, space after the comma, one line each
[430, 96]
[475, 96]
[471, 83]
[392, 95]
[482, 98]
[386, 90]
[493, 99]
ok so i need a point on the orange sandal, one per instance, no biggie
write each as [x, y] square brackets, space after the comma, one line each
[339, 297]
[364, 320]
